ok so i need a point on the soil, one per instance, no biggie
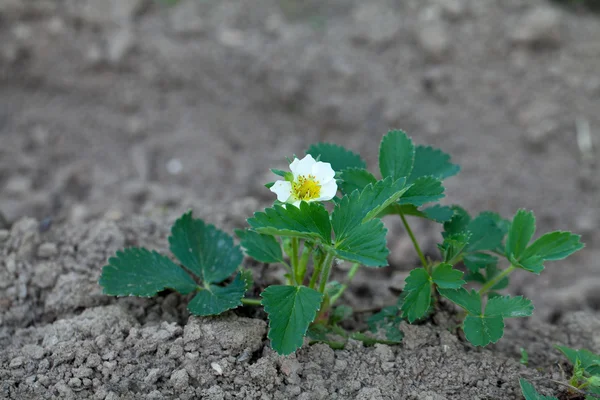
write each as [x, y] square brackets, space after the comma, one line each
[117, 116]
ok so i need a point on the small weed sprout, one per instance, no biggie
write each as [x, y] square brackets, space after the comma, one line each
[299, 233]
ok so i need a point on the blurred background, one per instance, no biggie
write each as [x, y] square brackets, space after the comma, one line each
[114, 107]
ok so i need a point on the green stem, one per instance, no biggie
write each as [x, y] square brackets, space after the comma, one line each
[326, 271]
[415, 243]
[251, 302]
[343, 288]
[294, 258]
[301, 271]
[317, 271]
[496, 279]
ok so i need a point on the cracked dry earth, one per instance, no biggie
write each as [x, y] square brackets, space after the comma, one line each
[62, 339]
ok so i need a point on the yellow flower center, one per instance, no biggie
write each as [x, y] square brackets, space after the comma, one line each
[306, 188]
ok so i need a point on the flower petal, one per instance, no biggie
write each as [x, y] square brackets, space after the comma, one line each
[328, 190]
[302, 167]
[323, 172]
[283, 190]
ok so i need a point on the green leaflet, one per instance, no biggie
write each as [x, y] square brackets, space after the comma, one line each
[423, 190]
[418, 298]
[590, 362]
[214, 299]
[140, 272]
[364, 244]
[481, 330]
[290, 310]
[432, 162]
[453, 246]
[470, 301]
[485, 233]
[355, 179]
[388, 320]
[203, 249]
[437, 213]
[530, 393]
[509, 307]
[458, 223]
[396, 155]
[359, 207]
[263, 248]
[475, 261]
[339, 158]
[554, 246]
[446, 277]
[310, 221]
[520, 233]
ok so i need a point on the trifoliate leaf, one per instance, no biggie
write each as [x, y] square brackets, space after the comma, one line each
[387, 320]
[432, 162]
[355, 179]
[530, 393]
[205, 250]
[140, 272]
[509, 307]
[554, 246]
[590, 362]
[290, 310]
[396, 155]
[470, 301]
[364, 244]
[482, 330]
[424, 190]
[215, 299]
[446, 277]
[310, 221]
[485, 234]
[362, 206]
[476, 261]
[263, 248]
[418, 298]
[520, 233]
[339, 158]
[458, 223]
[453, 246]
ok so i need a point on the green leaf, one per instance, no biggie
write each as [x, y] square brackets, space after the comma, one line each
[140, 272]
[475, 261]
[365, 244]
[439, 213]
[310, 221]
[359, 207]
[590, 362]
[509, 307]
[396, 155]
[290, 310]
[387, 320]
[530, 393]
[204, 249]
[470, 301]
[432, 162]
[355, 179]
[554, 246]
[482, 330]
[339, 158]
[418, 298]
[458, 223]
[263, 248]
[445, 277]
[485, 234]
[453, 246]
[215, 299]
[424, 190]
[521, 232]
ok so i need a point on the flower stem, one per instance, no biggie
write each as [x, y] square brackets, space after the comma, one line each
[294, 258]
[326, 271]
[349, 278]
[415, 243]
[301, 270]
[490, 284]
[251, 302]
[317, 270]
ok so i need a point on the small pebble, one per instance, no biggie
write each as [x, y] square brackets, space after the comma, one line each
[47, 250]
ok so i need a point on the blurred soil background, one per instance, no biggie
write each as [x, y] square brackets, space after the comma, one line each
[117, 107]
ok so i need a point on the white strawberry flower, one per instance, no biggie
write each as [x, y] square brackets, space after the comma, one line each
[310, 180]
